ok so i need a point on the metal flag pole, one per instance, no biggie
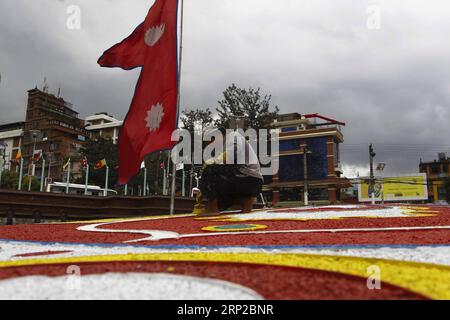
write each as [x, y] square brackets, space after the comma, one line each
[68, 177]
[20, 174]
[86, 180]
[105, 193]
[42, 175]
[174, 167]
[183, 192]
[145, 181]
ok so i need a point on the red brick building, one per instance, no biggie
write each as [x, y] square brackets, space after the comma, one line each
[52, 126]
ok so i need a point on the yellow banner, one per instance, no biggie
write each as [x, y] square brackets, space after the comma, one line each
[400, 188]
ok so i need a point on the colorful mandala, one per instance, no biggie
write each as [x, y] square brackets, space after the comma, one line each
[339, 252]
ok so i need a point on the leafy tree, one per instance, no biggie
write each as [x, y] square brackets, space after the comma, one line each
[10, 180]
[35, 183]
[96, 150]
[248, 103]
[190, 117]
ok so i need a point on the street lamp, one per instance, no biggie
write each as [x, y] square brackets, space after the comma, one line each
[305, 175]
[372, 155]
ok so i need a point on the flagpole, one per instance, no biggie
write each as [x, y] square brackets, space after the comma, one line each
[105, 193]
[68, 178]
[42, 174]
[165, 183]
[174, 169]
[86, 180]
[20, 174]
[145, 181]
[183, 192]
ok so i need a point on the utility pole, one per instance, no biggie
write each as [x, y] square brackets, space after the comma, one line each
[372, 155]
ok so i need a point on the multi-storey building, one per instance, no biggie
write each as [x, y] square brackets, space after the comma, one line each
[437, 171]
[52, 126]
[103, 125]
[318, 138]
[11, 136]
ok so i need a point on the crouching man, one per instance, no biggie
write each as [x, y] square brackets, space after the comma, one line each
[224, 185]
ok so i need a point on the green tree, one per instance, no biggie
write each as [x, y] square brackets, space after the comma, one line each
[35, 183]
[248, 103]
[10, 180]
[96, 150]
[190, 117]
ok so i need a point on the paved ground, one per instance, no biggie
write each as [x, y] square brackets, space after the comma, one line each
[335, 252]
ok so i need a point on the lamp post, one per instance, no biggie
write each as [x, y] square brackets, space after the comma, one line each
[305, 175]
[34, 135]
[372, 155]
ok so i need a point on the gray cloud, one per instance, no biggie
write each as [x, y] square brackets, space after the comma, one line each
[391, 86]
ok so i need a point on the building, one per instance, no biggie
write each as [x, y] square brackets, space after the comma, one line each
[437, 171]
[52, 126]
[11, 137]
[103, 125]
[320, 137]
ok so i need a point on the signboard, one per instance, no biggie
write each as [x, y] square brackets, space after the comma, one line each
[397, 188]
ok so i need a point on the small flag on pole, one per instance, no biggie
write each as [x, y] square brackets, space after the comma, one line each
[66, 166]
[18, 156]
[100, 164]
[84, 162]
[37, 155]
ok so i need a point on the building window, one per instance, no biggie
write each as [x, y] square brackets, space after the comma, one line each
[290, 194]
[289, 129]
[435, 168]
[318, 194]
[291, 168]
[290, 145]
[317, 159]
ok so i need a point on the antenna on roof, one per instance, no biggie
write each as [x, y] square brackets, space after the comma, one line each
[45, 88]
[59, 92]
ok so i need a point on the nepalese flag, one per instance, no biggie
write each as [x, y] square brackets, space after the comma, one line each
[153, 114]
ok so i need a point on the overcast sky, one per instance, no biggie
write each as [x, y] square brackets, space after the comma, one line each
[387, 78]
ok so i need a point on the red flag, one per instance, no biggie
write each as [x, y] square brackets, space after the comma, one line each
[153, 114]
[84, 162]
